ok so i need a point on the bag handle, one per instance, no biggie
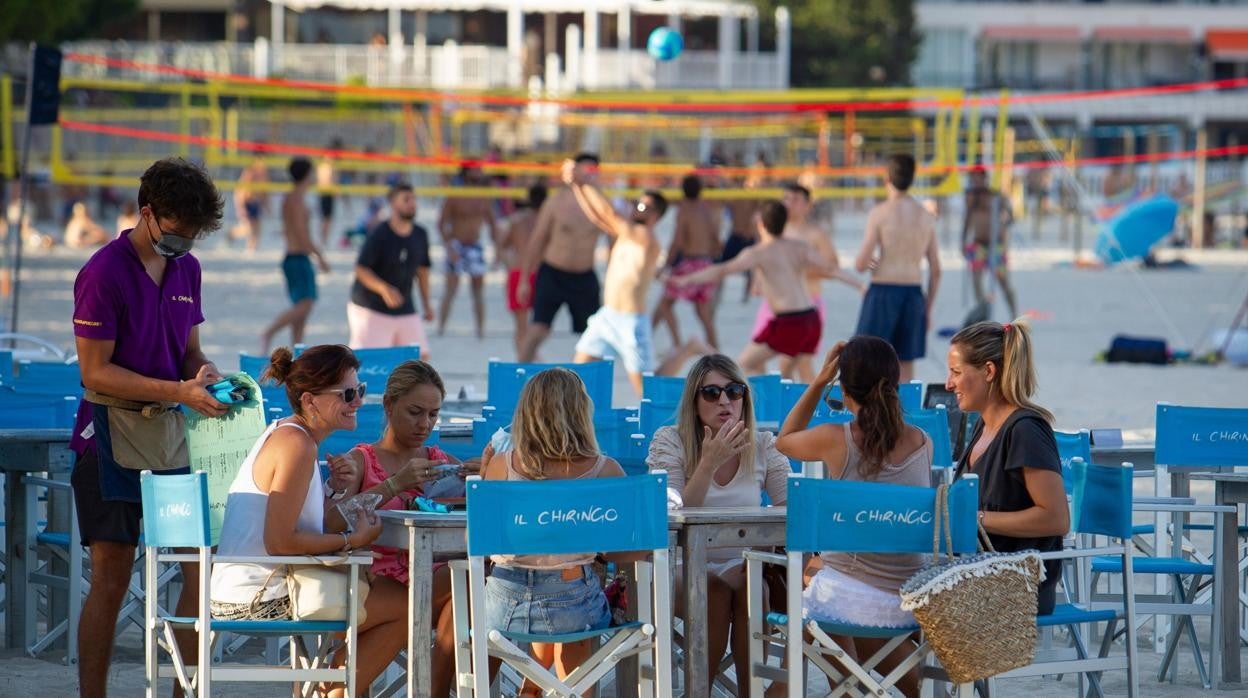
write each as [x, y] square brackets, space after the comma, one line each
[942, 521]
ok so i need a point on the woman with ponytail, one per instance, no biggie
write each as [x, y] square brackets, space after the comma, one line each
[277, 505]
[1022, 504]
[876, 446]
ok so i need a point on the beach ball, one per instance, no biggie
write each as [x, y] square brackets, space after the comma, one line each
[665, 44]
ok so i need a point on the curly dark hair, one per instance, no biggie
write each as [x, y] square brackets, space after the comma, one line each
[182, 191]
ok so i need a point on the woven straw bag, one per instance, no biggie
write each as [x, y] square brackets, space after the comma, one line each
[978, 612]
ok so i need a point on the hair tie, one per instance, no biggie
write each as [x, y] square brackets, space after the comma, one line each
[1006, 327]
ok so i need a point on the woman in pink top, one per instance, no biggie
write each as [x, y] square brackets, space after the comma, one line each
[877, 446]
[715, 457]
[398, 466]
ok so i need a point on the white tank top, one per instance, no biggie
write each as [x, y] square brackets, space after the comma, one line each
[242, 532]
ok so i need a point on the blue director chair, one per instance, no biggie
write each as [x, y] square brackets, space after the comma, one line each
[599, 515]
[837, 515]
[176, 515]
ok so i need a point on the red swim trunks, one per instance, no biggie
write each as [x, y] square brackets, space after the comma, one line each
[513, 280]
[792, 333]
[694, 293]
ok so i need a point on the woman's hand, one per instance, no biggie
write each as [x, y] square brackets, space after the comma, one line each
[831, 365]
[724, 445]
[365, 529]
[415, 473]
[343, 473]
[473, 466]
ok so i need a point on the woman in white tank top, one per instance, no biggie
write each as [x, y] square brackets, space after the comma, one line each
[276, 506]
[877, 446]
[553, 436]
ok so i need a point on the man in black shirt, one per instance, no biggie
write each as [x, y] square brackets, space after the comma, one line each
[381, 312]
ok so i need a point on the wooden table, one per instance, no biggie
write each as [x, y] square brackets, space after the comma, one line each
[25, 451]
[1230, 488]
[700, 529]
[425, 536]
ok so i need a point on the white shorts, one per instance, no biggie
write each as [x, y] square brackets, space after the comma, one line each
[623, 336]
[834, 596]
[373, 330]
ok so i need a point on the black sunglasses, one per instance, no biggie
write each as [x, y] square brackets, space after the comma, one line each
[349, 394]
[711, 393]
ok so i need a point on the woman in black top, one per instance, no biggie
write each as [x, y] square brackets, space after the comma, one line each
[1013, 451]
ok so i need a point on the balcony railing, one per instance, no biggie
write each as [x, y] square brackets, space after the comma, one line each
[447, 66]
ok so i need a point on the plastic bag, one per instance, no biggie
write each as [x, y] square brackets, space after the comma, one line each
[365, 501]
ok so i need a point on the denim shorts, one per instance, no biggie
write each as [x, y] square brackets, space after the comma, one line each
[541, 602]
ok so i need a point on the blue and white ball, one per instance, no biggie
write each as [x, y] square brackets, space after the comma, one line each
[665, 43]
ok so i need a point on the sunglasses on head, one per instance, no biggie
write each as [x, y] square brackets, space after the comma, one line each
[349, 394]
[711, 393]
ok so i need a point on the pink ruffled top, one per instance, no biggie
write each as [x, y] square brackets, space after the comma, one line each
[392, 562]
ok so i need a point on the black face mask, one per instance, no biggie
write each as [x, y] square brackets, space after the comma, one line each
[171, 246]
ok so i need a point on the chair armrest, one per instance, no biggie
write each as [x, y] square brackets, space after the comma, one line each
[1136, 501]
[458, 565]
[327, 560]
[760, 556]
[1073, 553]
[1183, 508]
[37, 481]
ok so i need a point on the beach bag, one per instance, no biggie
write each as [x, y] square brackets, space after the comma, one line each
[978, 613]
[1137, 350]
[319, 591]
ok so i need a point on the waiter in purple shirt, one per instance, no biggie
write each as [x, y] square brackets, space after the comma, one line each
[136, 323]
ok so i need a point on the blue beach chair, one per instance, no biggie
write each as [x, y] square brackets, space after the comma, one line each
[835, 515]
[599, 515]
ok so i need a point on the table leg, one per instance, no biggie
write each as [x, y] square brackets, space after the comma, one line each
[15, 559]
[1227, 600]
[419, 612]
[693, 547]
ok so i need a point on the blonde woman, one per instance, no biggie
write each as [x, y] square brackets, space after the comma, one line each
[715, 457]
[553, 438]
[1022, 503]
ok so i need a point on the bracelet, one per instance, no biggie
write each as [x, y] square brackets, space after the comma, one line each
[391, 490]
[346, 541]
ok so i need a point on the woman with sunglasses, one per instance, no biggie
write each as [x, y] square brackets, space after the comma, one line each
[715, 457]
[277, 506]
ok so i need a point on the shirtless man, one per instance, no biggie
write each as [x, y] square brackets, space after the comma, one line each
[561, 250]
[782, 265]
[695, 245]
[985, 236]
[459, 224]
[82, 230]
[743, 230]
[249, 202]
[326, 178]
[513, 237]
[620, 329]
[801, 226]
[297, 267]
[900, 234]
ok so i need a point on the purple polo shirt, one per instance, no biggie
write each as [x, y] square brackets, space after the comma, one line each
[115, 299]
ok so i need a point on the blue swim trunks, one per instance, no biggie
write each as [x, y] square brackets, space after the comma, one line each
[896, 313]
[300, 277]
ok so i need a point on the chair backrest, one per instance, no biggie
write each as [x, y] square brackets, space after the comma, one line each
[937, 395]
[1201, 436]
[370, 419]
[651, 417]
[1072, 445]
[376, 364]
[1101, 498]
[662, 390]
[934, 423]
[552, 517]
[911, 395]
[6, 367]
[46, 378]
[26, 411]
[766, 393]
[506, 379]
[175, 510]
[252, 365]
[873, 517]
